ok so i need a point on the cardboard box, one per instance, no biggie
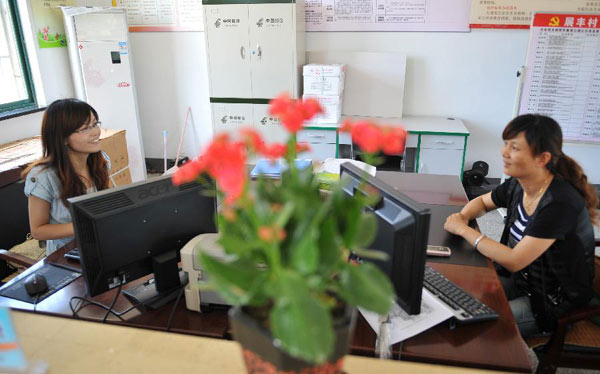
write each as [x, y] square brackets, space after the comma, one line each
[121, 178]
[324, 80]
[323, 86]
[114, 144]
[332, 106]
[330, 70]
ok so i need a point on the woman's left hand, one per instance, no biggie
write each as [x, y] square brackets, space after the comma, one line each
[456, 224]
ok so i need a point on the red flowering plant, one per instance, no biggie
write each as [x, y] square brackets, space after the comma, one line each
[288, 243]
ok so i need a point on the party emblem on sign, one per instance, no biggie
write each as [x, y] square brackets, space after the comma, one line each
[554, 21]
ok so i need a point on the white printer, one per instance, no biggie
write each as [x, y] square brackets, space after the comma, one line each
[196, 293]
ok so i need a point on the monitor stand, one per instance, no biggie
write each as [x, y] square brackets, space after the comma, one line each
[164, 287]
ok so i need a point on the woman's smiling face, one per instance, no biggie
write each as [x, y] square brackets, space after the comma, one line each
[518, 157]
[86, 139]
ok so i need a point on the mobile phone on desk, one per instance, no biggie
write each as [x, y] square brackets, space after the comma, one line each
[438, 250]
[73, 254]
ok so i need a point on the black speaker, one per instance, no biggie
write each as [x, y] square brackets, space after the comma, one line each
[476, 176]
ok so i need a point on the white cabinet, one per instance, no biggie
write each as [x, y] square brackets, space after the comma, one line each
[255, 52]
[272, 62]
[323, 143]
[440, 161]
[252, 50]
[231, 117]
[269, 126]
[441, 154]
[228, 49]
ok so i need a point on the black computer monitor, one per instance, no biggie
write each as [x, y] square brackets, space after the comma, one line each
[131, 231]
[402, 231]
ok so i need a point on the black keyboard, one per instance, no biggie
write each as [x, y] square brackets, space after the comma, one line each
[465, 307]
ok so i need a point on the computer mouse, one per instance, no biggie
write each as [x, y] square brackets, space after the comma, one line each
[36, 284]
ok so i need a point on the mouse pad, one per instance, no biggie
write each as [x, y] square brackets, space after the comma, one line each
[56, 277]
[462, 252]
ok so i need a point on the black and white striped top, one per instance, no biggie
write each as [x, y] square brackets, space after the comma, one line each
[518, 227]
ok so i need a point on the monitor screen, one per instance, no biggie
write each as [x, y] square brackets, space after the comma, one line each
[131, 231]
[402, 231]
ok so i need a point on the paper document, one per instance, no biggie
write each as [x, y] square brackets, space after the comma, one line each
[403, 326]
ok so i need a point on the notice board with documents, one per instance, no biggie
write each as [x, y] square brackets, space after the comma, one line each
[562, 75]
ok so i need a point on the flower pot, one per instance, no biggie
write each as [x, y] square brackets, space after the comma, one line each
[261, 355]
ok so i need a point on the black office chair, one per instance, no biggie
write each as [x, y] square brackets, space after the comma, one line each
[577, 346]
[14, 227]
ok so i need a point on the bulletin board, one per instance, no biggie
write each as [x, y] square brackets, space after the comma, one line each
[516, 14]
[387, 15]
[562, 74]
[163, 15]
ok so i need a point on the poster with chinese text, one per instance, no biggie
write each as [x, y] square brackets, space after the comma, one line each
[163, 15]
[562, 75]
[387, 15]
[517, 13]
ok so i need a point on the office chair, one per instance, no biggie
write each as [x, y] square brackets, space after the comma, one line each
[14, 228]
[577, 347]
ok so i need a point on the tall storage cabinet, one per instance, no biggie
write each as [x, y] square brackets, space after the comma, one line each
[255, 52]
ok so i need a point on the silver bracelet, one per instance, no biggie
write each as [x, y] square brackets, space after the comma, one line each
[478, 240]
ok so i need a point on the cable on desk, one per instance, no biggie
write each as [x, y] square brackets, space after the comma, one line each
[37, 297]
[113, 302]
[175, 306]
[88, 302]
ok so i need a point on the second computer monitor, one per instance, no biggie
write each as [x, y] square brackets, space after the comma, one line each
[402, 232]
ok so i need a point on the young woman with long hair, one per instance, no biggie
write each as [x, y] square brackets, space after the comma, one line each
[545, 257]
[72, 164]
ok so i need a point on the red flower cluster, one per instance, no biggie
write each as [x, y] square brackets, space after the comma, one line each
[223, 160]
[372, 138]
[293, 113]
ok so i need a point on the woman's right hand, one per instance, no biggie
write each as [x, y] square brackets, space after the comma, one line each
[456, 223]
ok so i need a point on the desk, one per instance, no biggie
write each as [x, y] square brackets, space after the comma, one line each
[490, 345]
[71, 346]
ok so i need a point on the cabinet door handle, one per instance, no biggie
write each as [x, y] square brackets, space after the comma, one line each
[259, 51]
[316, 136]
[243, 52]
[446, 142]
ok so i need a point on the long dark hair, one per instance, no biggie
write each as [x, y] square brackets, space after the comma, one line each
[60, 120]
[543, 134]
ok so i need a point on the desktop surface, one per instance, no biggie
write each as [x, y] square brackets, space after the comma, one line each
[488, 345]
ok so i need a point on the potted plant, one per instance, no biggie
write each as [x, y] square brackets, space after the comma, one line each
[287, 271]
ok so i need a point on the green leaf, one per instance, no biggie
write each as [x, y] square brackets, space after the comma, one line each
[301, 323]
[367, 229]
[329, 246]
[366, 286]
[235, 244]
[239, 282]
[304, 254]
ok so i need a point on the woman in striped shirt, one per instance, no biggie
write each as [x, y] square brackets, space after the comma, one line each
[546, 254]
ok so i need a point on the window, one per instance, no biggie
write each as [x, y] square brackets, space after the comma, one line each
[16, 88]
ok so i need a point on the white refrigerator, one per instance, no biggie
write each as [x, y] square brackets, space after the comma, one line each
[102, 72]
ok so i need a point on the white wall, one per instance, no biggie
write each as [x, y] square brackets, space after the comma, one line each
[465, 75]
[470, 76]
[170, 76]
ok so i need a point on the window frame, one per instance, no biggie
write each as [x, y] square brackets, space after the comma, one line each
[11, 108]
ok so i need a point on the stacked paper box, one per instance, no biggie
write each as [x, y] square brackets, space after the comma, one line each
[325, 83]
